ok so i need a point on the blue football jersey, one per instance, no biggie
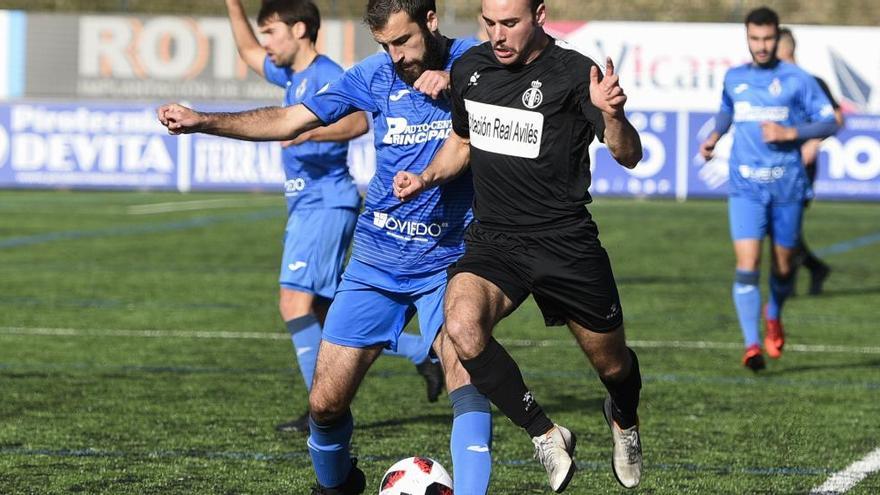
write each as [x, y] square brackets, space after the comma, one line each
[425, 234]
[316, 173]
[786, 95]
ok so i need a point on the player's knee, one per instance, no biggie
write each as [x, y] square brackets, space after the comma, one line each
[295, 304]
[783, 274]
[325, 410]
[462, 332]
[292, 311]
[614, 369]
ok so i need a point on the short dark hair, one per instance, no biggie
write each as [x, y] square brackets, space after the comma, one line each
[763, 16]
[785, 32]
[290, 12]
[536, 4]
[379, 11]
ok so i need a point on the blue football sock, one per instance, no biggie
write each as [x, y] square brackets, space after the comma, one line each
[780, 289]
[747, 299]
[471, 442]
[328, 446]
[412, 347]
[305, 333]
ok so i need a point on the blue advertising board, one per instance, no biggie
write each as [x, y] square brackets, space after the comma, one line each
[655, 174]
[92, 146]
[706, 179]
[849, 162]
[122, 146]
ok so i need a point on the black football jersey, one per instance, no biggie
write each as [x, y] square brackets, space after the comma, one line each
[530, 128]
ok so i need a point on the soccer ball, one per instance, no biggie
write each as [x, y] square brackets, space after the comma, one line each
[416, 476]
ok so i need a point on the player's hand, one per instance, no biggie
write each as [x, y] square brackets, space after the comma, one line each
[407, 185]
[432, 83]
[775, 133]
[303, 137]
[179, 119]
[707, 148]
[607, 95]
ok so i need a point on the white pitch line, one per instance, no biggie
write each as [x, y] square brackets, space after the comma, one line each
[208, 334]
[842, 481]
[202, 204]
[186, 334]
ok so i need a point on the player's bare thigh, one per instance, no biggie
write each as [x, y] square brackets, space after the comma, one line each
[748, 254]
[338, 374]
[606, 351]
[472, 307]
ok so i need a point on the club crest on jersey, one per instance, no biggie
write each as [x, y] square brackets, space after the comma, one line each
[533, 96]
[775, 87]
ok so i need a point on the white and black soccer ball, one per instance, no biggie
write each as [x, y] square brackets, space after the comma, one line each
[416, 476]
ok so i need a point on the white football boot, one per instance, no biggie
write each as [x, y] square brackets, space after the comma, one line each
[554, 450]
[626, 458]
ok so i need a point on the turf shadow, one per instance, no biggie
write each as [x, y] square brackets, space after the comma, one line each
[432, 419]
[555, 404]
[855, 291]
[873, 363]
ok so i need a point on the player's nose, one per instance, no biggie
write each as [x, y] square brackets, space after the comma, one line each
[396, 54]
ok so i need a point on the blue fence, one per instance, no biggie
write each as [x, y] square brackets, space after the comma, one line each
[122, 146]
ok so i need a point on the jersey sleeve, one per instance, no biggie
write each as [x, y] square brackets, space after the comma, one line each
[346, 94]
[726, 100]
[817, 106]
[278, 76]
[593, 115]
[458, 82]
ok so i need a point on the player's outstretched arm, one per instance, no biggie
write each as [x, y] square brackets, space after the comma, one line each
[249, 47]
[450, 162]
[346, 129]
[621, 137]
[262, 124]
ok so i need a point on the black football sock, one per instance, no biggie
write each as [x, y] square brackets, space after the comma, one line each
[497, 376]
[625, 395]
[810, 260]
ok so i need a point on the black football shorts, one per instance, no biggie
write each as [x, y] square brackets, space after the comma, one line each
[566, 269]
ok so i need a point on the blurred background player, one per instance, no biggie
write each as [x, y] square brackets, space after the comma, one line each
[819, 270]
[322, 200]
[401, 250]
[774, 107]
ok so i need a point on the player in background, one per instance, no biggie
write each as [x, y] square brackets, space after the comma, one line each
[774, 107]
[401, 250]
[819, 270]
[322, 200]
[525, 110]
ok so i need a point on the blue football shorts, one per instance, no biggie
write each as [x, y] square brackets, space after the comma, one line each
[372, 307]
[752, 218]
[315, 243]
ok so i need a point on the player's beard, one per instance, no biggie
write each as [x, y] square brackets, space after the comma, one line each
[435, 57]
[772, 59]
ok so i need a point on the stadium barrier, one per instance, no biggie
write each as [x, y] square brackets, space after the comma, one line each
[123, 146]
[68, 120]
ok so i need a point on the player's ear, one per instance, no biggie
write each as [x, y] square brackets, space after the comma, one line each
[540, 14]
[431, 21]
[299, 29]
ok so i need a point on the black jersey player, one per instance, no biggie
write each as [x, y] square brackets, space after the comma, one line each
[525, 110]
